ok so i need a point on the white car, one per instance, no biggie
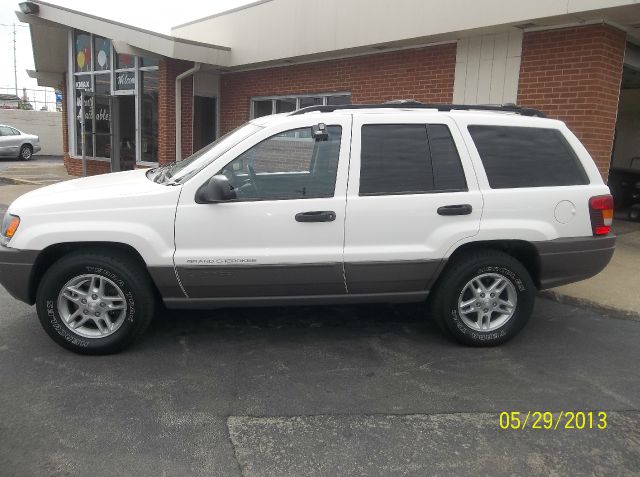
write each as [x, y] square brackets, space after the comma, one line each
[17, 144]
[469, 209]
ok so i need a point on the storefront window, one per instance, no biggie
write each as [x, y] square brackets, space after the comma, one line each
[103, 84]
[123, 114]
[103, 126]
[102, 53]
[83, 82]
[124, 61]
[125, 80]
[149, 116]
[149, 62]
[82, 51]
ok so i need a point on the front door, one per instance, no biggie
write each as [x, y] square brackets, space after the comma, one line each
[283, 236]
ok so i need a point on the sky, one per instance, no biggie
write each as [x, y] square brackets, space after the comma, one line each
[159, 15]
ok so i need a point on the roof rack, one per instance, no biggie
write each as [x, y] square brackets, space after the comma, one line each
[510, 108]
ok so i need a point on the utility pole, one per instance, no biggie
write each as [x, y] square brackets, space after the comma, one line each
[15, 66]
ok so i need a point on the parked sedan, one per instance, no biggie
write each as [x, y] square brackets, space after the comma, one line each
[15, 143]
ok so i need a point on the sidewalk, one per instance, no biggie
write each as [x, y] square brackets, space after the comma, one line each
[616, 290]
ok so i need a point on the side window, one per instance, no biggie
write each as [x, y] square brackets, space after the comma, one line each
[527, 157]
[409, 159]
[447, 168]
[395, 159]
[289, 165]
[6, 131]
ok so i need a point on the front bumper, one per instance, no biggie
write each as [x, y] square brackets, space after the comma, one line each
[569, 260]
[36, 148]
[15, 272]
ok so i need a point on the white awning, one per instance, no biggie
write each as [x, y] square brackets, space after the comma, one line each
[50, 25]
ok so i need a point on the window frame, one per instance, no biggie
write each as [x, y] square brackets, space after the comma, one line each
[271, 136]
[297, 97]
[566, 144]
[428, 161]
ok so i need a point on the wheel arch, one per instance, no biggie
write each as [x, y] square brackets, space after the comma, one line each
[523, 251]
[53, 253]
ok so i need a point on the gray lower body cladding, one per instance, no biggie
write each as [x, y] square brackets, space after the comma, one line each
[15, 272]
[569, 260]
[561, 261]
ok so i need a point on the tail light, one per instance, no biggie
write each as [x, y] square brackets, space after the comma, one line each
[601, 212]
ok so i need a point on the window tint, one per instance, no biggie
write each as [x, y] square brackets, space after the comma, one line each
[394, 159]
[526, 157]
[409, 159]
[289, 165]
[447, 168]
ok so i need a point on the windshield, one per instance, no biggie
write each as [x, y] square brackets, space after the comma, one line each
[179, 172]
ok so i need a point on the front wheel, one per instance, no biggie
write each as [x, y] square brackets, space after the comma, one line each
[94, 302]
[483, 299]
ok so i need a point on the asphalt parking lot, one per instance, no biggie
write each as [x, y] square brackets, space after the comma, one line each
[360, 390]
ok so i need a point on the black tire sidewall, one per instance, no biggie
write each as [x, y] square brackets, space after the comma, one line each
[47, 305]
[525, 291]
[21, 152]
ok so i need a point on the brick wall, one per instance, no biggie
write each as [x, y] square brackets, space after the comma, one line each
[169, 69]
[574, 75]
[424, 74]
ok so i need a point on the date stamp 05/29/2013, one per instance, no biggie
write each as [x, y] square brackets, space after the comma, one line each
[549, 421]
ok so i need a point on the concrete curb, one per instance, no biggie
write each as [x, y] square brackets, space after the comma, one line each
[15, 181]
[592, 305]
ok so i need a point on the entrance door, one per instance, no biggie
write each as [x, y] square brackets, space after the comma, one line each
[283, 235]
[124, 133]
[204, 121]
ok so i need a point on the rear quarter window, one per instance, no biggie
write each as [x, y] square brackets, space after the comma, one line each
[515, 157]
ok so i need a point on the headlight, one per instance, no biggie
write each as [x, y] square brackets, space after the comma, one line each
[10, 225]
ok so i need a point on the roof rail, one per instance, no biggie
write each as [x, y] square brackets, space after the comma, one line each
[510, 108]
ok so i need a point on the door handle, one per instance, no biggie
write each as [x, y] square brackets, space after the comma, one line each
[316, 216]
[458, 209]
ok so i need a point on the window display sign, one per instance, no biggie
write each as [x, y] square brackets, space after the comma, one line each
[125, 80]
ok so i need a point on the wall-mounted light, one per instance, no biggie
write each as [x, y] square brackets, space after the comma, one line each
[29, 8]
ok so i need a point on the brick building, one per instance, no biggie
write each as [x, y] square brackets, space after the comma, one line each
[147, 95]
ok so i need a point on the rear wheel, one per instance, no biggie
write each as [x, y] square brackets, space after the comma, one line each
[26, 152]
[94, 302]
[484, 298]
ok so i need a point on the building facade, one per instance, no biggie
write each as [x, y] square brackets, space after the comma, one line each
[152, 98]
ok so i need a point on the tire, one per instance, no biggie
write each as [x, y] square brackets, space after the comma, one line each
[634, 213]
[489, 267]
[127, 301]
[26, 152]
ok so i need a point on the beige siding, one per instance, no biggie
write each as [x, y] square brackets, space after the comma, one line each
[487, 69]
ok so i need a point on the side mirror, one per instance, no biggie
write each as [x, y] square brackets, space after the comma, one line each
[218, 189]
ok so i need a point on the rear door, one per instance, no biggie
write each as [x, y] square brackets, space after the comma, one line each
[412, 195]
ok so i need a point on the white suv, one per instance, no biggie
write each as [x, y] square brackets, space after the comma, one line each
[467, 208]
